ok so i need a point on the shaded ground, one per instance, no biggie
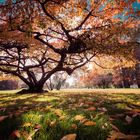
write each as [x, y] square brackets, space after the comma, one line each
[90, 114]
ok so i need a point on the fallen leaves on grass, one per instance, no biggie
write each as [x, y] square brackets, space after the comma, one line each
[69, 137]
[28, 136]
[91, 109]
[84, 121]
[79, 117]
[90, 123]
[118, 135]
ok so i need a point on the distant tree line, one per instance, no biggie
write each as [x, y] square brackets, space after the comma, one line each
[125, 77]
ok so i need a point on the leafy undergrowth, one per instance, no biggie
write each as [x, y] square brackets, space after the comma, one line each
[70, 115]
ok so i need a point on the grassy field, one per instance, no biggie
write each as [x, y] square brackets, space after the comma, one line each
[74, 114]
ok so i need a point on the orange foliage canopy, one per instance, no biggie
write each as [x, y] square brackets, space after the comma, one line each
[63, 35]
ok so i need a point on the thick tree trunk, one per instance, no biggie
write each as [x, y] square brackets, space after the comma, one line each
[37, 88]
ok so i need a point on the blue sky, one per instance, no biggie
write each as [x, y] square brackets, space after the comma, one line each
[135, 5]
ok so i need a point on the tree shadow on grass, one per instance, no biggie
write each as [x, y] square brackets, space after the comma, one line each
[8, 126]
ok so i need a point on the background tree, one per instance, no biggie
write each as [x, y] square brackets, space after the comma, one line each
[56, 81]
[68, 34]
[8, 82]
[110, 71]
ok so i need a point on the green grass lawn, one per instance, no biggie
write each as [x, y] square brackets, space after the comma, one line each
[100, 114]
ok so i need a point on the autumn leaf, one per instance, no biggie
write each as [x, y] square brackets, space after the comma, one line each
[81, 104]
[58, 112]
[84, 120]
[135, 110]
[31, 134]
[90, 123]
[69, 137]
[90, 103]
[62, 117]
[91, 109]
[37, 126]
[103, 109]
[74, 126]
[118, 135]
[27, 124]
[53, 123]
[16, 134]
[115, 128]
[128, 119]
[3, 118]
[28, 136]
[79, 117]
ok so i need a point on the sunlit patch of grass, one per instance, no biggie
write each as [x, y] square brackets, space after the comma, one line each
[32, 117]
[27, 102]
[8, 91]
[122, 106]
[46, 98]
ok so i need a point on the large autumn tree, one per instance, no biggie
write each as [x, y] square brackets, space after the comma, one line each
[41, 37]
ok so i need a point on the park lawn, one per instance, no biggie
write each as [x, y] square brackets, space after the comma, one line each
[87, 114]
